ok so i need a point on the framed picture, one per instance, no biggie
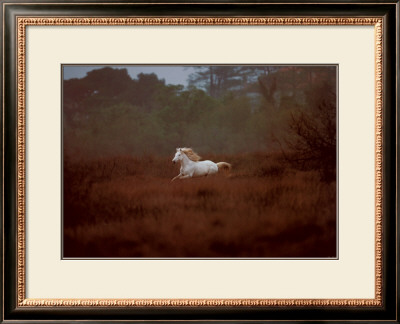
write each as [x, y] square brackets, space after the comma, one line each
[200, 161]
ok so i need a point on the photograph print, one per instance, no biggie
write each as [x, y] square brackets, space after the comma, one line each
[199, 161]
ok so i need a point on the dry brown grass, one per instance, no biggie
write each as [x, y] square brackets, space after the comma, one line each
[127, 207]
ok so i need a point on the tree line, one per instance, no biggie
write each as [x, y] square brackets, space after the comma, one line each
[223, 109]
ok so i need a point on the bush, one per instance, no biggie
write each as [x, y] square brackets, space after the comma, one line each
[313, 139]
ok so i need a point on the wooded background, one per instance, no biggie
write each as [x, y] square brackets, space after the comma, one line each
[223, 109]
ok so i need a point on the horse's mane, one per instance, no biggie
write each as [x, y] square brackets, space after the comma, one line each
[191, 154]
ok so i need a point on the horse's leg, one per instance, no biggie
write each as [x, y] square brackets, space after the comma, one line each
[185, 176]
[176, 177]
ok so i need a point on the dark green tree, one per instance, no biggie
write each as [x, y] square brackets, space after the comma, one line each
[217, 80]
[312, 136]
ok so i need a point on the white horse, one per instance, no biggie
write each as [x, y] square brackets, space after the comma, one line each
[191, 166]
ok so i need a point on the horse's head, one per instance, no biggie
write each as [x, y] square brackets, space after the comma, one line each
[178, 155]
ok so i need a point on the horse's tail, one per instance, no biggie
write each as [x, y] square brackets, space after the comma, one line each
[224, 165]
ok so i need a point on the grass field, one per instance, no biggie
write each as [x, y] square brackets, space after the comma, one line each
[127, 207]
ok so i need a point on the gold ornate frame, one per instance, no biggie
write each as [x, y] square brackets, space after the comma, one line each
[23, 22]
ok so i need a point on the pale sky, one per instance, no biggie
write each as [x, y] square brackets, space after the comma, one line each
[172, 74]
